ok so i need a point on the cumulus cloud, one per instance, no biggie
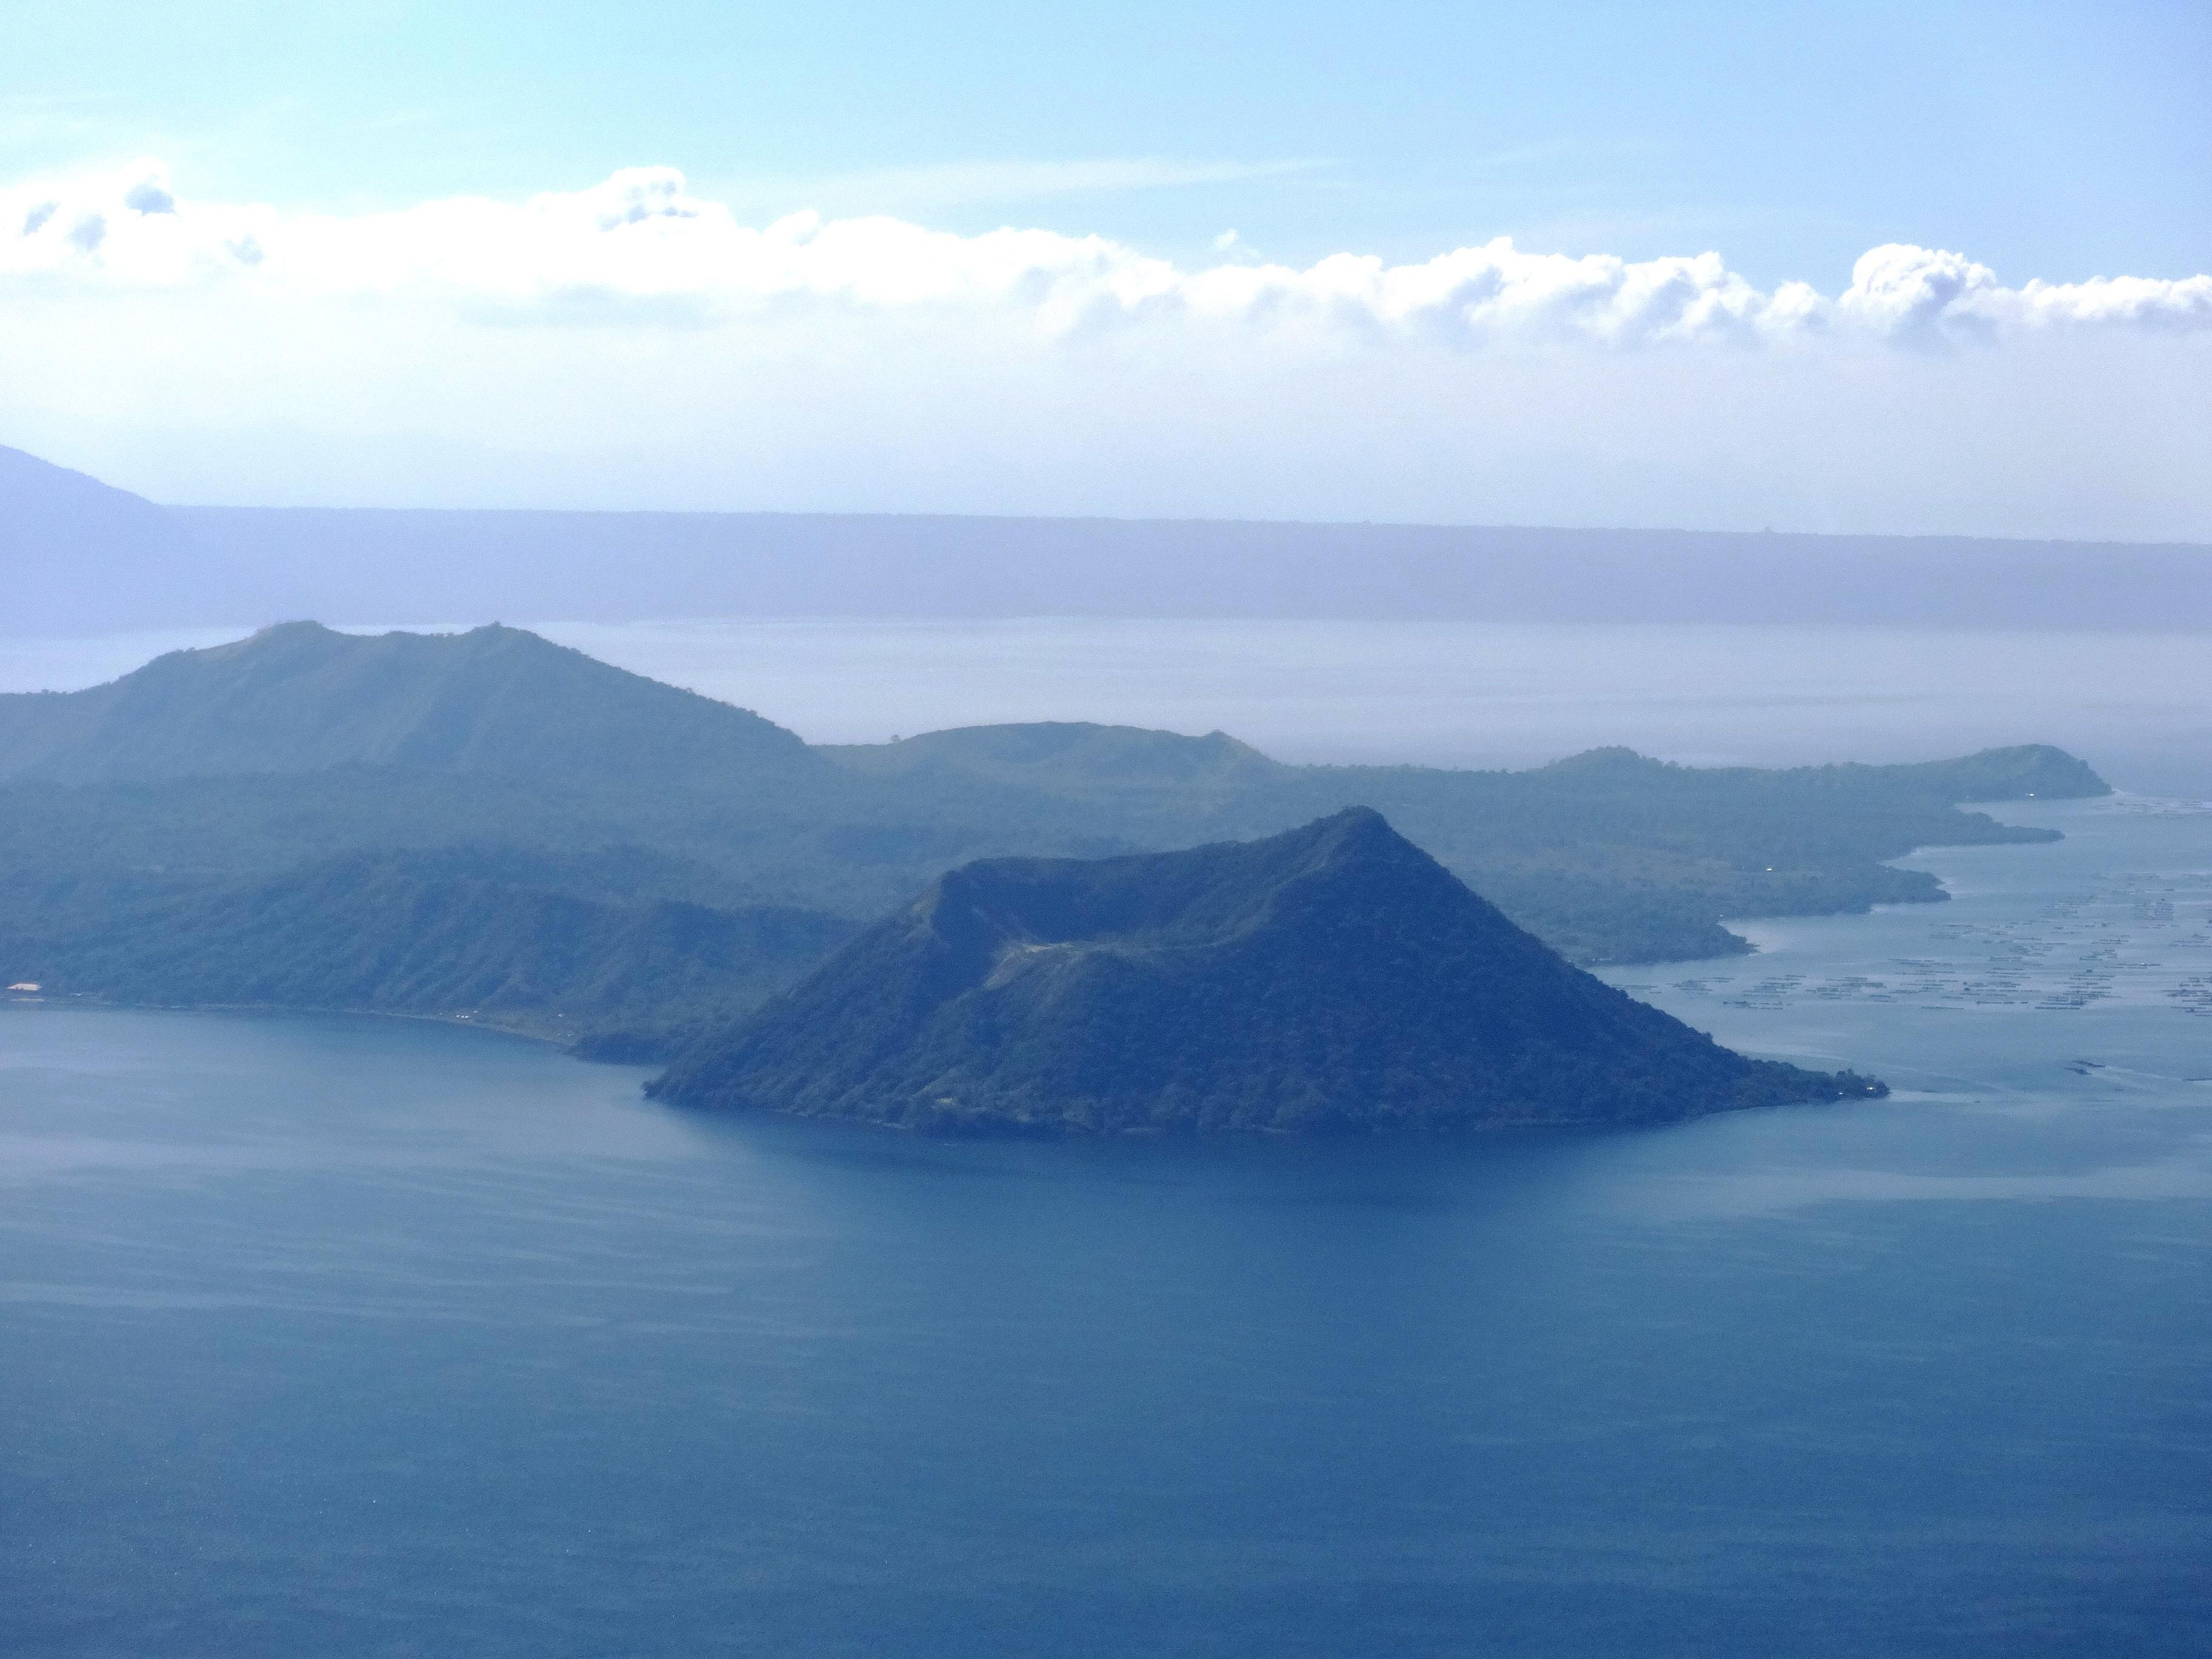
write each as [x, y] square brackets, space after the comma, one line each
[1921, 293]
[637, 343]
[641, 239]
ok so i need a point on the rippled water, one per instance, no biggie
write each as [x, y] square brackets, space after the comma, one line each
[358, 1337]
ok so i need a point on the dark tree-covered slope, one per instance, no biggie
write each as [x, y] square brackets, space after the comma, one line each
[590, 950]
[1332, 978]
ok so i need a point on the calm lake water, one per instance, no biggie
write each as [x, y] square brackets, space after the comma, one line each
[355, 1337]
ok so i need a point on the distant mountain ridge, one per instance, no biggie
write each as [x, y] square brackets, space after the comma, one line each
[80, 557]
[1332, 978]
[301, 697]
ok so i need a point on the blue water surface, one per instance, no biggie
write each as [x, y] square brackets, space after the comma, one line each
[352, 1337]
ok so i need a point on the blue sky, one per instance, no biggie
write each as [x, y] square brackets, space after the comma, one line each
[2046, 144]
[2059, 140]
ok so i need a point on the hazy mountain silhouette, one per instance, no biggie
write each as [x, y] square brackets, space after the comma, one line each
[1334, 977]
[1073, 758]
[81, 558]
[301, 698]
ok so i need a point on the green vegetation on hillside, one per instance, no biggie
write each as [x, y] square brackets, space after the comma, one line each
[490, 934]
[487, 823]
[1332, 978]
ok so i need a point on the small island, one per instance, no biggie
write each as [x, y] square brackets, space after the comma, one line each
[1335, 978]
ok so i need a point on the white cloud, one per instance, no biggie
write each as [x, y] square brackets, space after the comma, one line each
[636, 344]
[642, 237]
[1917, 292]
